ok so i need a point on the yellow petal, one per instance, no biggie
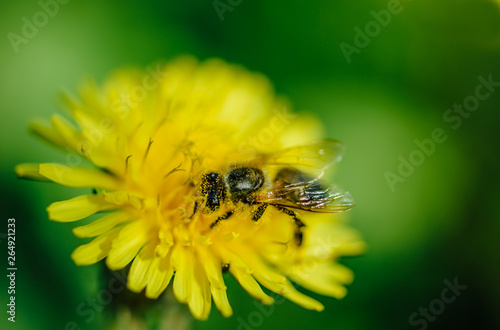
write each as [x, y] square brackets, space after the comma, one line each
[276, 282]
[339, 272]
[352, 249]
[277, 287]
[96, 250]
[29, 171]
[137, 276]
[301, 299]
[116, 197]
[103, 224]
[256, 263]
[166, 240]
[324, 278]
[126, 246]
[135, 201]
[48, 134]
[200, 300]
[78, 177]
[78, 208]
[221, 301]
[212, 268]
[183, 265]
[250, 285]
[279, 284]
[319, 285]
[159, 275]
[268, 277]
[303, 129]
[67, 132]
[330, 240]
[213, 272]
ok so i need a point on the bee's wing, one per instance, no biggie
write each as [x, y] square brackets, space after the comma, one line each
[313, 158]
[309, 196]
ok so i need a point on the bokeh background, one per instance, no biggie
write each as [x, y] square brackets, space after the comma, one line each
[440, 223]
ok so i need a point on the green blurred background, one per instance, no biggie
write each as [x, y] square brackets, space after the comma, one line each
[441, 223]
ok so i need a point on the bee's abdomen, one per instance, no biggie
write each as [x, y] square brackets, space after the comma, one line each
[315, 192]
[299, 187]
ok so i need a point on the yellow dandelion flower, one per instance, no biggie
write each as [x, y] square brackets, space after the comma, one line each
[195, 174]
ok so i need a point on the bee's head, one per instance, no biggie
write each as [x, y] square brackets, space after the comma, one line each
[243, 181]
[213, 189]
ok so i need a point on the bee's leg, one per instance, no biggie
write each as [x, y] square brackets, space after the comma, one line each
[259, 212]
[298, 223]
[219, 219]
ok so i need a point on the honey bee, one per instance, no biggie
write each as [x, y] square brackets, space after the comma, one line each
[291, 179]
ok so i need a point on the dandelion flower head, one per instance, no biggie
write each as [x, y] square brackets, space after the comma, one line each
[142, 141]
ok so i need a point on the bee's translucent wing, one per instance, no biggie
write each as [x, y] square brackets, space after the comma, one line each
[309, 196]
[313, 158]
